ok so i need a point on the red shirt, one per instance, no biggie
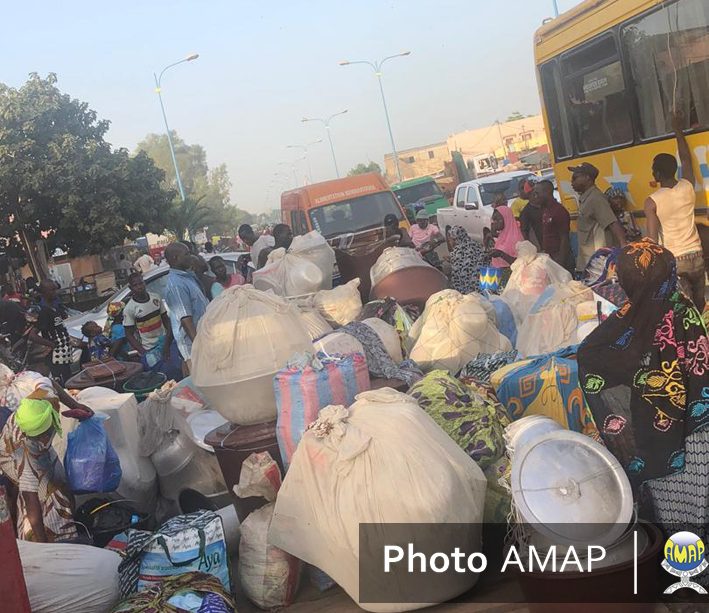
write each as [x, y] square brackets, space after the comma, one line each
[555, 222]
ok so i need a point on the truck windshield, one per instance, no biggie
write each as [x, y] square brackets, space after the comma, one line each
[414, 193]
[489, 189]
[354, 215]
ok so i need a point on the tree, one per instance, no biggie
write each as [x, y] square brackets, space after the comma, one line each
[210, 187]
[188, 216]
[361, 169]
[61, 181]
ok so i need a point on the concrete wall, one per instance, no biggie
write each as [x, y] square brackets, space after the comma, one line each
[417, 162]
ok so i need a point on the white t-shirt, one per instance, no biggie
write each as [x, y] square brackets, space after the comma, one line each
[146, 316]
[675, 210]
[144, 263]
[263, 241]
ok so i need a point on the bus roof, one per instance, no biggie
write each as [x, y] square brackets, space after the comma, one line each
[410, 182]
[337, 190]
[583, 22]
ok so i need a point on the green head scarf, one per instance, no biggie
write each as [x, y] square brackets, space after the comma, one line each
[35, 417]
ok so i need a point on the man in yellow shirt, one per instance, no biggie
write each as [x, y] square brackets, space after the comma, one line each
[525, 191]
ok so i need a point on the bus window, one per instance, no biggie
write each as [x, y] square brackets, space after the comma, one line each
[668, 52]
[595, 91]
[556, 113]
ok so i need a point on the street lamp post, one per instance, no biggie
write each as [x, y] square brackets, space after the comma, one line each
[377, 67]
[326, 123]
[306, 157]
[158, 80]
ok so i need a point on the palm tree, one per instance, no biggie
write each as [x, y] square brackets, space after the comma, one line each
[188, 216]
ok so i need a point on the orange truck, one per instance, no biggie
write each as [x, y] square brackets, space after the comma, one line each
[353, 206]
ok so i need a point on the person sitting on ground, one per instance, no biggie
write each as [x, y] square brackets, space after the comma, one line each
[45, 505]
[223, 279]
[525, 190]
[51, 332]
[199, 267]
[282, 239]
[97, 345]
[394, 235]
[146, 315]
[671, 209]
[506, 233]
[556, 223]
[619, 204]
[184, 299]
[467, 257]
[254, 242]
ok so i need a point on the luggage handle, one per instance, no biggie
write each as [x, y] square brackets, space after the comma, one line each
[202, 549]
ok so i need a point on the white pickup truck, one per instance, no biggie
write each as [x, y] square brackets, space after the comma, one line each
[472, 204]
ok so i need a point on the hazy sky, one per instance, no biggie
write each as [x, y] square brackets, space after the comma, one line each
[264, 65]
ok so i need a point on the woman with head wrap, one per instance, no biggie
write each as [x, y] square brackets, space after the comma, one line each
[619, 204]
[645, 375]
[467, 257]
[28, 461]
[506, 233]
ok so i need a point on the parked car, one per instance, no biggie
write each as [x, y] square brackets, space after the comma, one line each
[472, 203]
[155, 282]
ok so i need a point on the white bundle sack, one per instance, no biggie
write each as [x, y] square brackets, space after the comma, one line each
[452, 330]
[532, 272]
[316, 325]
[393, 259]
[389, 337]
[338, 343]
[340, 305]
[288, 274]
[244, 338]
[356, 466]
[552, 321]
[313, 247]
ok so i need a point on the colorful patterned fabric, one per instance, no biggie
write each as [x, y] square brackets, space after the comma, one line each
[645, 370]
[467, 258]
[485, 364]
[156, 599]
[33, 466]
[545, 385]
[465, 413]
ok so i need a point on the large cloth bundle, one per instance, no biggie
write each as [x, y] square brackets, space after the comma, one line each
[316, 325]
[314, 248]
[552, 321]
[453, 329]
[341, 305]
[244, 338]
[471, 419]
[545, 385]
[16, 387]
[288, 274]
[393, 259]
[532, 272]
[383, 460]
[309, 385]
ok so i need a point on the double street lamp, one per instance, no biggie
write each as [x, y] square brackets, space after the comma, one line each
[304, 148]
[158, 80]
[377, 67]
[326, 123]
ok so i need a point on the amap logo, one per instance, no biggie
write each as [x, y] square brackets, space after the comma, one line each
[684, 558]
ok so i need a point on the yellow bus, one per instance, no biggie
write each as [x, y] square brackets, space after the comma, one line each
[610, 72]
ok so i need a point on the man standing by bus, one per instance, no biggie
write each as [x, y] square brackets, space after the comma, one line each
[597, 224]
[672, 208]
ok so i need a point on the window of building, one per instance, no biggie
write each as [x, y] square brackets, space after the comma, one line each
[431, 155]
[556, 110]
[509, 141]
[595, 91]
[410, 159]
[668, 55]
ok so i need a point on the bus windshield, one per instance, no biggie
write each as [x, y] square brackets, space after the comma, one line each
[354, 215]
[414, 193]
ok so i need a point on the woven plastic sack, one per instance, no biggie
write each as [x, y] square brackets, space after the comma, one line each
[340, 305]
[314, 248]
[244, 338]
[302, 389]
[288, 274]
[90, 462]
[393, 259]
[532, 272]
[356, 466]
[552, 321]
[453, 329]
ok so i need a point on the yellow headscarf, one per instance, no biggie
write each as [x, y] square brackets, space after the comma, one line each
[35, 417]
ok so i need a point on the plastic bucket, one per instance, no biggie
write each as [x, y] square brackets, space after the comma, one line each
[144, 383]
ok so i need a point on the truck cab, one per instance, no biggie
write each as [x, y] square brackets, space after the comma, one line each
[472, 203]
[420, 193]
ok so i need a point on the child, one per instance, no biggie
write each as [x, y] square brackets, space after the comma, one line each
[116, 331]
[97, 347]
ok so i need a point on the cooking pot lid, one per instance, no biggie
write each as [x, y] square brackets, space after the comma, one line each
[572, 489]
[202, 423]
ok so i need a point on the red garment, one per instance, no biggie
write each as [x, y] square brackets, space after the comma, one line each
[555, 222]
[233, 279]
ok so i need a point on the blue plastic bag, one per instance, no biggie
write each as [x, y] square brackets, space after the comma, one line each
[90, 462]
